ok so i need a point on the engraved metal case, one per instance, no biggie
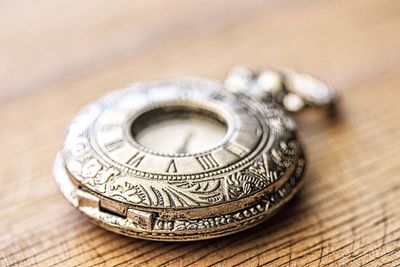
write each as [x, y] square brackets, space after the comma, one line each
[130, 189]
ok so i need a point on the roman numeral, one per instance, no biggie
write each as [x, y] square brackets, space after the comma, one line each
[250, 129]
[114, 145]
[236, 149]
[217, 96]
[172, 166]
[135, 160]
[240, 108]
[108, 127]
[207, 162]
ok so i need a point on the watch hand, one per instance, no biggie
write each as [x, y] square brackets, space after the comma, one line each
[183, 147]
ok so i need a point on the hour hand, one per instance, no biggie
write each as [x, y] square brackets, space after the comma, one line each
[186, 141]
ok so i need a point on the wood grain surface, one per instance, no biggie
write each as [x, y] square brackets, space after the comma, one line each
[55, 56]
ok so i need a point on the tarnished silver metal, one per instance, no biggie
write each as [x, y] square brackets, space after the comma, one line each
[293, 90]
[188, 159]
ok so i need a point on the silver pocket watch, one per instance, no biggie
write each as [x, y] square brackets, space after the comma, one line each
[190, 158]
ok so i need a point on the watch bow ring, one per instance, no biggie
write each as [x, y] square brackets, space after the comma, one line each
[189, 159]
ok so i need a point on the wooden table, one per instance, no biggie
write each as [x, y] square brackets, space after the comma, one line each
[55, 56]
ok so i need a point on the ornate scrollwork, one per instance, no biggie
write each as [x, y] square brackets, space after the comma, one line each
[270, 201]
[164, 194]
[242, 184]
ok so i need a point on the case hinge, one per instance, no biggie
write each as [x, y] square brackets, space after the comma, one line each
[143, 219]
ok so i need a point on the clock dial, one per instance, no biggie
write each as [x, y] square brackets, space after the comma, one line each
[178, 131]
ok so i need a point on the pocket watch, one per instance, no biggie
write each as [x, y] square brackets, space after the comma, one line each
[191, 158]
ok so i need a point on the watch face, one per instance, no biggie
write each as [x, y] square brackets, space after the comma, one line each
[179, 130]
